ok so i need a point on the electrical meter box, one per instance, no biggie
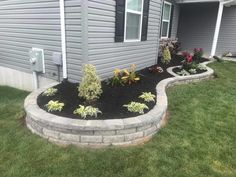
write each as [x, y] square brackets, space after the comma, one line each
[37, 60]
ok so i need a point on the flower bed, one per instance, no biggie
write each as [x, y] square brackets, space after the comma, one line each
[116, 125]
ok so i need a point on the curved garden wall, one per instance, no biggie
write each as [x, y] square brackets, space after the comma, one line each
[100, 133]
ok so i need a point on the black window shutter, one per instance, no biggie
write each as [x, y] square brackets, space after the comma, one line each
[171, 20]
[120, 20]
[145, 20]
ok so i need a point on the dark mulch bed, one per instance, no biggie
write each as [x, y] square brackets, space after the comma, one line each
[113, 98]
[177, 70]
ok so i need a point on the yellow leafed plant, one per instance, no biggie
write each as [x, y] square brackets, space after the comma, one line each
[130, 76]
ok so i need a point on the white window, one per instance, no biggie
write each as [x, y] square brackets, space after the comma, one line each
[166, 16]
[133, 20]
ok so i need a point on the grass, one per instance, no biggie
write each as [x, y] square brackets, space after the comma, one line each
[199, 140]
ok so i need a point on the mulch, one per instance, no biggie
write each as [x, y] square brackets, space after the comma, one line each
[113, 98]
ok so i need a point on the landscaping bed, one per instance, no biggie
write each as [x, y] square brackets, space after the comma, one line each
[113, 97]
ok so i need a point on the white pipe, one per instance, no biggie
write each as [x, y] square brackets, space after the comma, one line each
[35, 80]
[217, 28]
[63, 38]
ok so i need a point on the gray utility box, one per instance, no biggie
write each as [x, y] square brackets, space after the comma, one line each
[57, 58]
[37, 60]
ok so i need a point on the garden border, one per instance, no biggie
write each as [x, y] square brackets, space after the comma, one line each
[103, 133]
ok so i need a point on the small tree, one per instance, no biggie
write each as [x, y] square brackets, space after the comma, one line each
[90, 88]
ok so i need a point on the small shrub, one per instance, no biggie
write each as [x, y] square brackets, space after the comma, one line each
[130, 76]
[188, 62]
[136, 107]
[166, 56]
[54, 106]
[87, 111]
[148, 97]
[172, 44]
[201, 67]
[50, 92]
[116, 79]
[192, 71]
[90, 88]
[198, 53]
[183, 73]
[156, 69]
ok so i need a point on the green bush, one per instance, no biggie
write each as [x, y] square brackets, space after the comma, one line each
[87, 111]
[183, 72]
[166, 56]
[136, 107]
[148, 97]
[90, 88]
[54, 106]
[50, 92]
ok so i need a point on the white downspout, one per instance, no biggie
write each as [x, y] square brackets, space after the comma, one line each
[63, 38]
[217, 28]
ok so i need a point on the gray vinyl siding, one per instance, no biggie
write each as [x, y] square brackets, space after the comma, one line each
[26, 24]
[107, 55]
[227, 35]
[197, 25]
[73, 39]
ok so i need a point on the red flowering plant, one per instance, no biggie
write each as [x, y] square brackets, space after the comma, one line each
[188, 62]
[198, 53]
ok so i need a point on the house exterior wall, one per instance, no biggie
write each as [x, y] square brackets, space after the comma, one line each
[227, 35]
[197, 25]
[105, 53]
[90, 32]
[26, 24]
[29, 23]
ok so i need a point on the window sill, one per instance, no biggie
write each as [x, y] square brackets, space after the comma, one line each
[132, 40]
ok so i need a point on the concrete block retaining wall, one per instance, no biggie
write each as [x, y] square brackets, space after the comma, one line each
[101, 133]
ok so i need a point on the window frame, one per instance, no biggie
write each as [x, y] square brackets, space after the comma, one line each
[168, 21]
[141, 22]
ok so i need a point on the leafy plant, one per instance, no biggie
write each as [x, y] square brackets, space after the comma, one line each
[50, 92]
[148, 97]
[198, 53]
[155, 69]
[54, 106]
[192, 71]
[172, 44]
[116, 79]
[183, 72]
[166, 56]
[85, 111]
[90, 88]
[136, 107]
[201, 67]
[188, 62]
[130, 76]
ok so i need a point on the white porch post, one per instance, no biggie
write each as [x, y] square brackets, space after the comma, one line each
[217, 28]
[63, 38]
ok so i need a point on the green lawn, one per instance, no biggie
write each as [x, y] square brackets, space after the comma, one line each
[199, 140]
